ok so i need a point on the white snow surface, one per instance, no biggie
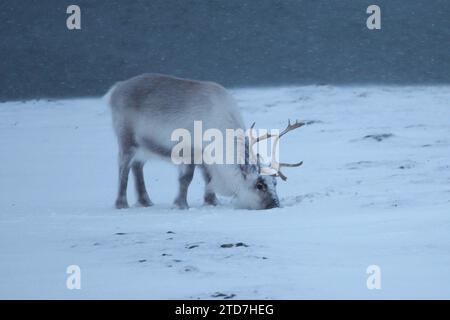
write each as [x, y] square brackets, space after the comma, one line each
[355, 202]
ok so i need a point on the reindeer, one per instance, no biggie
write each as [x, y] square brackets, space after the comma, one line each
[146, 109]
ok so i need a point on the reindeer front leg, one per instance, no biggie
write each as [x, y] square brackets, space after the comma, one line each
[209, 197]
[186, 173]
[125, 158]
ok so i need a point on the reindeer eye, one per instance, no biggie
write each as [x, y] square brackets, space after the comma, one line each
[260, 186]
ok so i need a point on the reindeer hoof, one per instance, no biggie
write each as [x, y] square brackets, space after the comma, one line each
[144, 203]
[120, 204]
[211, 200]
[140, 204]
[181, 204]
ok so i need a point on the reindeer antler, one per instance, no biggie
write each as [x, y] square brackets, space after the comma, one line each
[275, 166]
[291, 127]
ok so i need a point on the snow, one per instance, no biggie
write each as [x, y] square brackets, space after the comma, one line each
[374, 190]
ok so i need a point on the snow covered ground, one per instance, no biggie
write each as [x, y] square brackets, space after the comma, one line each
[374, 190]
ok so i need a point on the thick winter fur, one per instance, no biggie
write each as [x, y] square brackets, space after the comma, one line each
[146, 110]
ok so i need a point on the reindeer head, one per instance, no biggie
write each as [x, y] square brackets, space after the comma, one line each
[260, 179]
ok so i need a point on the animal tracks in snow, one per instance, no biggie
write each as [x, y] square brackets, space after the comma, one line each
[178, 252]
